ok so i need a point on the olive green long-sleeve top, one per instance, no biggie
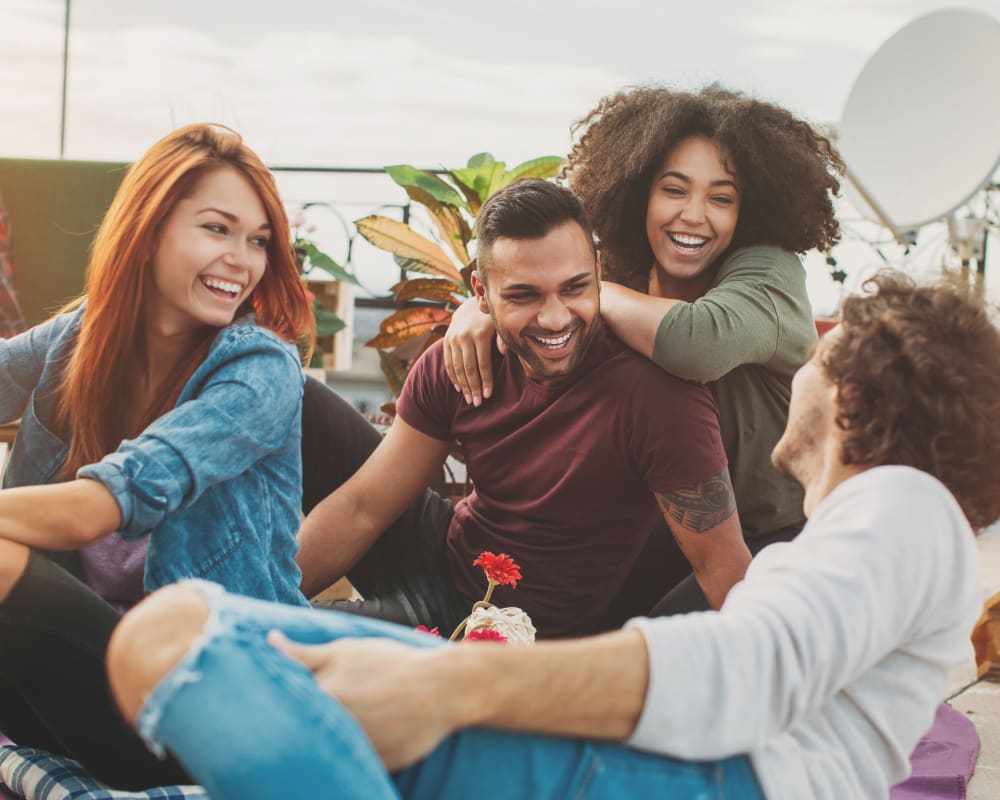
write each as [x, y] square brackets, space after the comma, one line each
[746, 337]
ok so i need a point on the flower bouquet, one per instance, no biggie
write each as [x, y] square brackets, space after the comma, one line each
[489, 623]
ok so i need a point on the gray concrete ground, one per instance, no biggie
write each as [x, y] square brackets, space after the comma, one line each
[981, 704]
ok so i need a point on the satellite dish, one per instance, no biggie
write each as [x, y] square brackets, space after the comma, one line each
[920, 133]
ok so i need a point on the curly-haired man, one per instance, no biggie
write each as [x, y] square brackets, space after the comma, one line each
[815, 679]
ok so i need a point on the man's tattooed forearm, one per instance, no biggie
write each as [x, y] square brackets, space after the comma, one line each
[702, 507]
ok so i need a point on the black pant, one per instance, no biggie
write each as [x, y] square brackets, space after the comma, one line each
[404, 577]
[662, 583]
[54, 691]
[687, 595]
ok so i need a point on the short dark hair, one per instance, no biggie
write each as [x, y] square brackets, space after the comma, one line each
[787, 171]
[918, 384]
[528, 208]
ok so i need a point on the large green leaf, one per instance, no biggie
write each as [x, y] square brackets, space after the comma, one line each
[317, 258]
[480, 160]
[484, 179]
[428, 289]
[407, 177]
[407, 324]
[407, 245]
[471, 195]
[496, 180]
[327, 322]
[452, 226]
[543, 167]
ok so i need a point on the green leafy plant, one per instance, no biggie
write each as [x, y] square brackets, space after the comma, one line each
[310, 257]
[451, 199]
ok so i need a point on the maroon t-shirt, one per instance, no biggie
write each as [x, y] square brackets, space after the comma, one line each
[563, 476]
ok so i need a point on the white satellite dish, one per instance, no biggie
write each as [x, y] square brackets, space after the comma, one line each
[920, 132]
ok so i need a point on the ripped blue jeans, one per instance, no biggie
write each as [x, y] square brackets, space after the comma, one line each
[248, 722]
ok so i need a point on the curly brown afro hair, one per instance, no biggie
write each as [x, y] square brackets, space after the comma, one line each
[917, 371]
[787, 171]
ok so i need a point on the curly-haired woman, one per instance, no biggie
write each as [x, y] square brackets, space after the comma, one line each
[701, 201]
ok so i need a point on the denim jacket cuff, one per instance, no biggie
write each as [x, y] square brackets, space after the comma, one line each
[145, 489]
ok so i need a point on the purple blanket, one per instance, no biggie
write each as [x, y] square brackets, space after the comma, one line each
[943, 762]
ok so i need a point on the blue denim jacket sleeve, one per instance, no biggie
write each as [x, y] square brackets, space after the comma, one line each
[22, 361]
[237, 407]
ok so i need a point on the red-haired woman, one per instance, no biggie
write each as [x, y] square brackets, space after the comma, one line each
[160, 436]
[701, 201]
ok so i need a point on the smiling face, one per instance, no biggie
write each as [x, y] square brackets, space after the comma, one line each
[544, 297]
[691, 214]
[211, 252]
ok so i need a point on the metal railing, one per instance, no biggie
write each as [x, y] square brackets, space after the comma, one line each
[403, 208]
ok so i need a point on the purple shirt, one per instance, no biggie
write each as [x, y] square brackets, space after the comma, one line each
[114, 569]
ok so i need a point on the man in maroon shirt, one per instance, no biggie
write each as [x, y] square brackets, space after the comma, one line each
[583, 443]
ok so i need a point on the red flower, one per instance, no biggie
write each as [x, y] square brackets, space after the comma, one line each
[485, 635]
[432, 631]
[500, 569]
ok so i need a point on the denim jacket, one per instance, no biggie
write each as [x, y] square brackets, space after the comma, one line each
[216, 483]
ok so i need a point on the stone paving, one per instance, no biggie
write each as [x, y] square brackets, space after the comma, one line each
[980, 702]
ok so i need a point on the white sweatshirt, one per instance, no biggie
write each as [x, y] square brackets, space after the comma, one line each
[827, 662]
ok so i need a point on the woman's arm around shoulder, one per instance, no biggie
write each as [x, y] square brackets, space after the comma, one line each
[468, 352]
[757, 303]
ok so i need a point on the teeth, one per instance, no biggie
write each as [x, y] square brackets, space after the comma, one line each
[225, 286]
[688, 240]
[555, 341]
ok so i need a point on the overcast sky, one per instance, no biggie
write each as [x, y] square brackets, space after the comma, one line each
[325, 82]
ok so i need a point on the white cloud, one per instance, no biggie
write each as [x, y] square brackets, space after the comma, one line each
[31, 39]
[782, 52]
[853, 25]
[315, 97]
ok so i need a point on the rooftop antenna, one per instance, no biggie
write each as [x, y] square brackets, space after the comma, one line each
[920, 132]
[65, 74]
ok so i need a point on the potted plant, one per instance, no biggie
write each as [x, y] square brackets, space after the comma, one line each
[451, 199]
[327, 292]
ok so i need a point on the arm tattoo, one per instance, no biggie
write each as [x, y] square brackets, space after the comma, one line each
[703, 506]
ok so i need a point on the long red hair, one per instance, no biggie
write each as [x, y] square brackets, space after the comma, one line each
[95, 386]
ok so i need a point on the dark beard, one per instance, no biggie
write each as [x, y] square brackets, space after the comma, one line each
[528, 356]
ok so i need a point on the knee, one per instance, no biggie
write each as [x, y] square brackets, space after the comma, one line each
[150, 641]
[13, 561]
